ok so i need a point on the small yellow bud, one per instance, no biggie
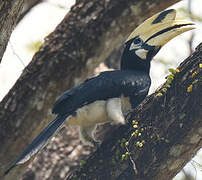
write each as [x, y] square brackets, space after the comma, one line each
[137, 143]
[123, 156]
[135, 126]
[177, 70]
[189, 89]
[135, 122]
[134, 135]
[166, 140]
[170, 78]
[140, 144]
[194, 74]
[159, 94]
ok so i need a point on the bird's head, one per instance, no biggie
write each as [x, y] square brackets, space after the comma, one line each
[148, 38]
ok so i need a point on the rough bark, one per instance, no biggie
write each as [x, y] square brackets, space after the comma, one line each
[85, 37]
[170, 124]
[27, 6]
[9, 14]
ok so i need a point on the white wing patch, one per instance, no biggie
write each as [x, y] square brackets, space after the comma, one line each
[89, 115]
[114, 111]
[98, 112]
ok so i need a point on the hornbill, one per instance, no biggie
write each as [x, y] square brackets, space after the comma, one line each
[109, 96]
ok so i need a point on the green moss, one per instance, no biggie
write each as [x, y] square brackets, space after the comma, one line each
[173, 71]
[170, 78]
[168, 85]
[195, 81]
[82, 163]
[34, 46]
[164, 90]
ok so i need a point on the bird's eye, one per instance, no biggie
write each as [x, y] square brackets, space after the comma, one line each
[136, 44]
[137, 41]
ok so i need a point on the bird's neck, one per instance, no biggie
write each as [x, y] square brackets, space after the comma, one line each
[134, 63]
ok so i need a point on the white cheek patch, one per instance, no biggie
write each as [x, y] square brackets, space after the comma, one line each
[142, 53]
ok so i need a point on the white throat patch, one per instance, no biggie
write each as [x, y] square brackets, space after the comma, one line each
[142, 53]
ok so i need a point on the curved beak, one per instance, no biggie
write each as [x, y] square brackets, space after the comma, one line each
[161, 28]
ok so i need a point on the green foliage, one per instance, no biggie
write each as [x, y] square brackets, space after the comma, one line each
[185, 13]
[34, 46]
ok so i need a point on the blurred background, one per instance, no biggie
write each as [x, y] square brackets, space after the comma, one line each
[47, 14]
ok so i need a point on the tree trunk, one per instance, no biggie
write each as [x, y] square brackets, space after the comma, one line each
[163, 133]
[9, 14]
[85, 37]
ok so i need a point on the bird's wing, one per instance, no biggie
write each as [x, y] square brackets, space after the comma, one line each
[107, 85]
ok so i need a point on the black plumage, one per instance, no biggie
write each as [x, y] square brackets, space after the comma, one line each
[109, 84]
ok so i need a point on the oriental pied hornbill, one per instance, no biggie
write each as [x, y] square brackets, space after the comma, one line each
[110, 95]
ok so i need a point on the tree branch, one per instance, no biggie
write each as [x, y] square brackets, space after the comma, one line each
[9, 15]
[28, 5]
[85, 37]
[170, 124]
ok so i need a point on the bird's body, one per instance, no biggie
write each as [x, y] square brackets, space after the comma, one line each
[112, 94]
